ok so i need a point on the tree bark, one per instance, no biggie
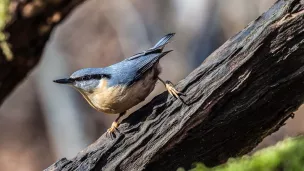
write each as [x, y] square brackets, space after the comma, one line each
[243, 92]
[28, 27]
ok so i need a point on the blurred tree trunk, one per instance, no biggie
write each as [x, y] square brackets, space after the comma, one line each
[243, 92]
[25, 28]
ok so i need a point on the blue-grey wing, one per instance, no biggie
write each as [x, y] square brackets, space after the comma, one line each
[133, 68]
[157, 48]
[129, 71]
[147, 62]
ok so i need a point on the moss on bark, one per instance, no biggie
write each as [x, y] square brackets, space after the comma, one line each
[4, 18]
[287, 155]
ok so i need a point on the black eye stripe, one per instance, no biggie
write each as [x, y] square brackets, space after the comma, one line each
[90, 77]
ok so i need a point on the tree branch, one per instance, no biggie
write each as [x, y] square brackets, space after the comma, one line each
[243, 92]
[28, 27]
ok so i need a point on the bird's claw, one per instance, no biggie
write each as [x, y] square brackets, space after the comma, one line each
[174, 92]
[111, 131]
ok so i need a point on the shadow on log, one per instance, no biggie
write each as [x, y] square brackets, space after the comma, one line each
[243, 92]
[28, 27]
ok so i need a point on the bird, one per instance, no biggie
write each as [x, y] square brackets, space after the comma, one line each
[116, 88]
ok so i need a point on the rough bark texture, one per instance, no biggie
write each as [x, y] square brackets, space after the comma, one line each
[243, 92]
[28, 30]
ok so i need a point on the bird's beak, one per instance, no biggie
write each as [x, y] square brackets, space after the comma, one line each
[64, 81]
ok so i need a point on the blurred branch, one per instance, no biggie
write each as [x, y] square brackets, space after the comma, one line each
[27, 28]
[243, 92]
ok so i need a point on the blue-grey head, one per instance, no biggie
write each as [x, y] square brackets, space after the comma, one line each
[85, 80]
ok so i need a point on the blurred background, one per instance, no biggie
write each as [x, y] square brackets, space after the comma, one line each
[41, 121]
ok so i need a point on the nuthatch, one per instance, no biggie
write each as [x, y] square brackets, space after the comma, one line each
[117, 88]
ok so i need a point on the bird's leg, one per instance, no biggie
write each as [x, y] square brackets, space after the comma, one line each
[115, 125]
[172, 90]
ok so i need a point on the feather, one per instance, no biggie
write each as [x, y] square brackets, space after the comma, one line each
[157, 48]
[148, 63]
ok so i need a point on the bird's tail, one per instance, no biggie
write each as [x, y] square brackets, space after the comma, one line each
[163, 41]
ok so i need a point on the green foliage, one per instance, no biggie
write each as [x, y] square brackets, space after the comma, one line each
[4, 5]
[4, 18]
[287, 155]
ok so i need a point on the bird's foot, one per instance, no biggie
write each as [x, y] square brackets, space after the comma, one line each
[174, 92]
[111, 131]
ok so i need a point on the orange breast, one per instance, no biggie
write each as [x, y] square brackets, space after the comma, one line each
[118, 99]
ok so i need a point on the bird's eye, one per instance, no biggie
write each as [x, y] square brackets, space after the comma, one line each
[98, 77]
[105, 76]
[87, 77]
